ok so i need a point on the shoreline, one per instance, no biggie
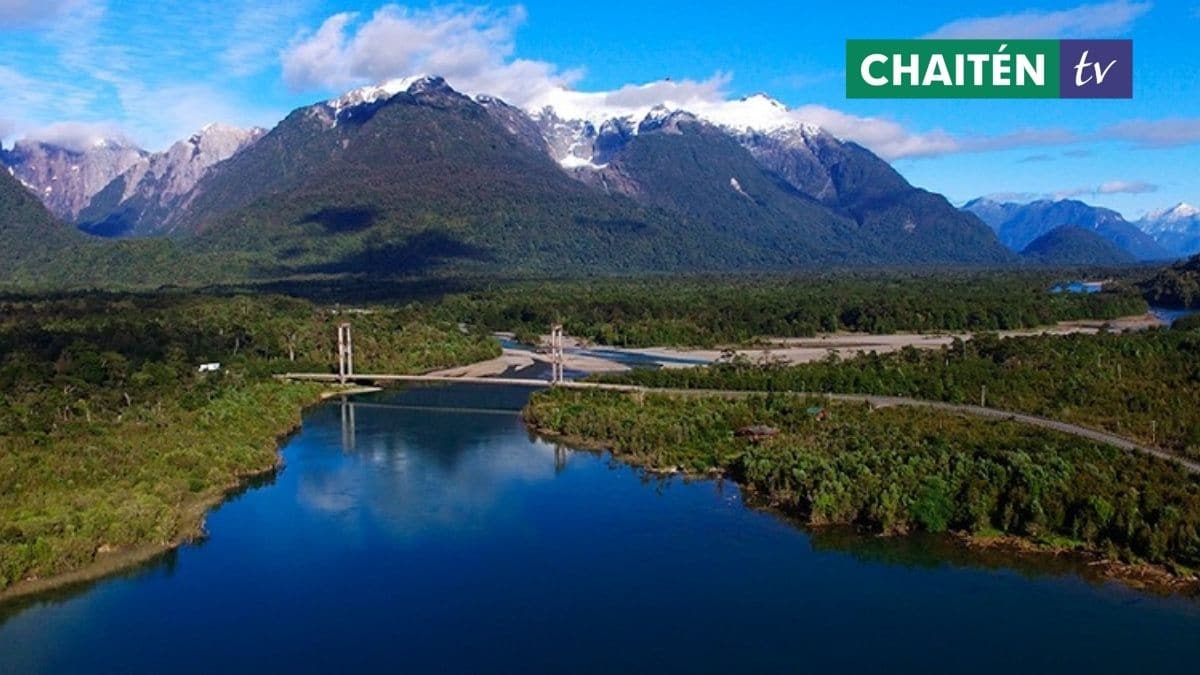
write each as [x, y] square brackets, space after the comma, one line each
[798, 350]
[194, 515]
[793, 351]
[1087, 563]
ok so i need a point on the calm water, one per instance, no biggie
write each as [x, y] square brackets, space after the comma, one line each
[402, 538]
[1169, 316]
[1078, 287]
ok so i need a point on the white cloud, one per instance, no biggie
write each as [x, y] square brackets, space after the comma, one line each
[19, 14]
[892, 140]
[1015, 197]
[170, 74]
[1165, 133]
[258, 33]
[160, 72]
[471, 47]
[1126, 187]
[78, 136]
[1114, 187]
[1095, 20]
[170, 113]
[887, 138]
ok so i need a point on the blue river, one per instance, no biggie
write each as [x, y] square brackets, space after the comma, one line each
[427, 531]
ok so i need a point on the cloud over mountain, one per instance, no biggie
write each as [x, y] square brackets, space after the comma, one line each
[1093, 20]
[471, 47]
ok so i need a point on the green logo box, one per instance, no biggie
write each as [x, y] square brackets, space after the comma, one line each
[952, 69]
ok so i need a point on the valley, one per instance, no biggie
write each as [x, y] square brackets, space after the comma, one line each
[355, 338]
[90, 370]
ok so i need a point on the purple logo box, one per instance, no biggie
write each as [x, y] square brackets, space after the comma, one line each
[1096, 68]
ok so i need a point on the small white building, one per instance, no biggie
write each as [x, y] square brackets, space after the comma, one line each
[209, 367]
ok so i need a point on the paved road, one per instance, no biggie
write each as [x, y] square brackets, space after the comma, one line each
[888, 401]
[1114, 440]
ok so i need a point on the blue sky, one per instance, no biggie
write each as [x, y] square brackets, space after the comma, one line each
[155, 72]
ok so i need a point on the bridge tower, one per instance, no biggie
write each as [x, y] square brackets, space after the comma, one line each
[556, 353]
[345, 353]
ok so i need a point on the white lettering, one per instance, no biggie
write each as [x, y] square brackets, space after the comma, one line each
[1036, 71]
[1084, 64]
[937, 72]
[866, 70]
[1001, 68]
[977, 60]
[900, 70]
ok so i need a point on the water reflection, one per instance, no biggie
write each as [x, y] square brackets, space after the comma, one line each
[445, 538]
[426, 457]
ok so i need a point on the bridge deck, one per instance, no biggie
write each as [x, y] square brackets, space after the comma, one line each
[444, 379]
[1098, 436]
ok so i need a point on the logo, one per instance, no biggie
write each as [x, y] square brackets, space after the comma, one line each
[989, 69]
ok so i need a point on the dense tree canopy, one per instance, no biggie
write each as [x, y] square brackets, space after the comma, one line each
[896, 470]
[110, 437]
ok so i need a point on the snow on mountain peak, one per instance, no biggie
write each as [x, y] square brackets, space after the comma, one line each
[1181, 211]
[757, 112]
[583, 129]
[1177, 228]
[642, 108]
[373, 93]
[1164, 218]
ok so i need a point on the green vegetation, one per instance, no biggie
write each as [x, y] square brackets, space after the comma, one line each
[707, 311]
[899, 470]
[1177, 287]
[1140, 385]
[1074, 245]
[1190, 322]
[111, 440]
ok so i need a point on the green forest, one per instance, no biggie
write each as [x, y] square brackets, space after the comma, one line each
[111, 439]
[897, 470]
[708, 311]
[1177, 286]
[1140, 385]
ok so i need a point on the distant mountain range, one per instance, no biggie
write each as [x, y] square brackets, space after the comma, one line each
[413, 174]
[1177, 229]
[1074, 245]
[153, 192]
[66, 179]
[1018, 225]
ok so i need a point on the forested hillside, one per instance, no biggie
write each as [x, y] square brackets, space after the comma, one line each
[113, 444]
[1177, 286]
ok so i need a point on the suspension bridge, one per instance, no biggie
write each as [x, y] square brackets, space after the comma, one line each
[346, 375]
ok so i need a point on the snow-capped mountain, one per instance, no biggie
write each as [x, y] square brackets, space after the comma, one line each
[66, 179]
[1018, 225]
[583, 131]
[615, 181]
[413, 173]
[145, 197]
[801, 153]
[1177, 229]
[329, 112]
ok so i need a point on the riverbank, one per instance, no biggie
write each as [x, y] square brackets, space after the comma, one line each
[893, 472]
[582, 356]
[1087, 562]
[124, 418]
[792, 351]
[521, 359]
[238, 448]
